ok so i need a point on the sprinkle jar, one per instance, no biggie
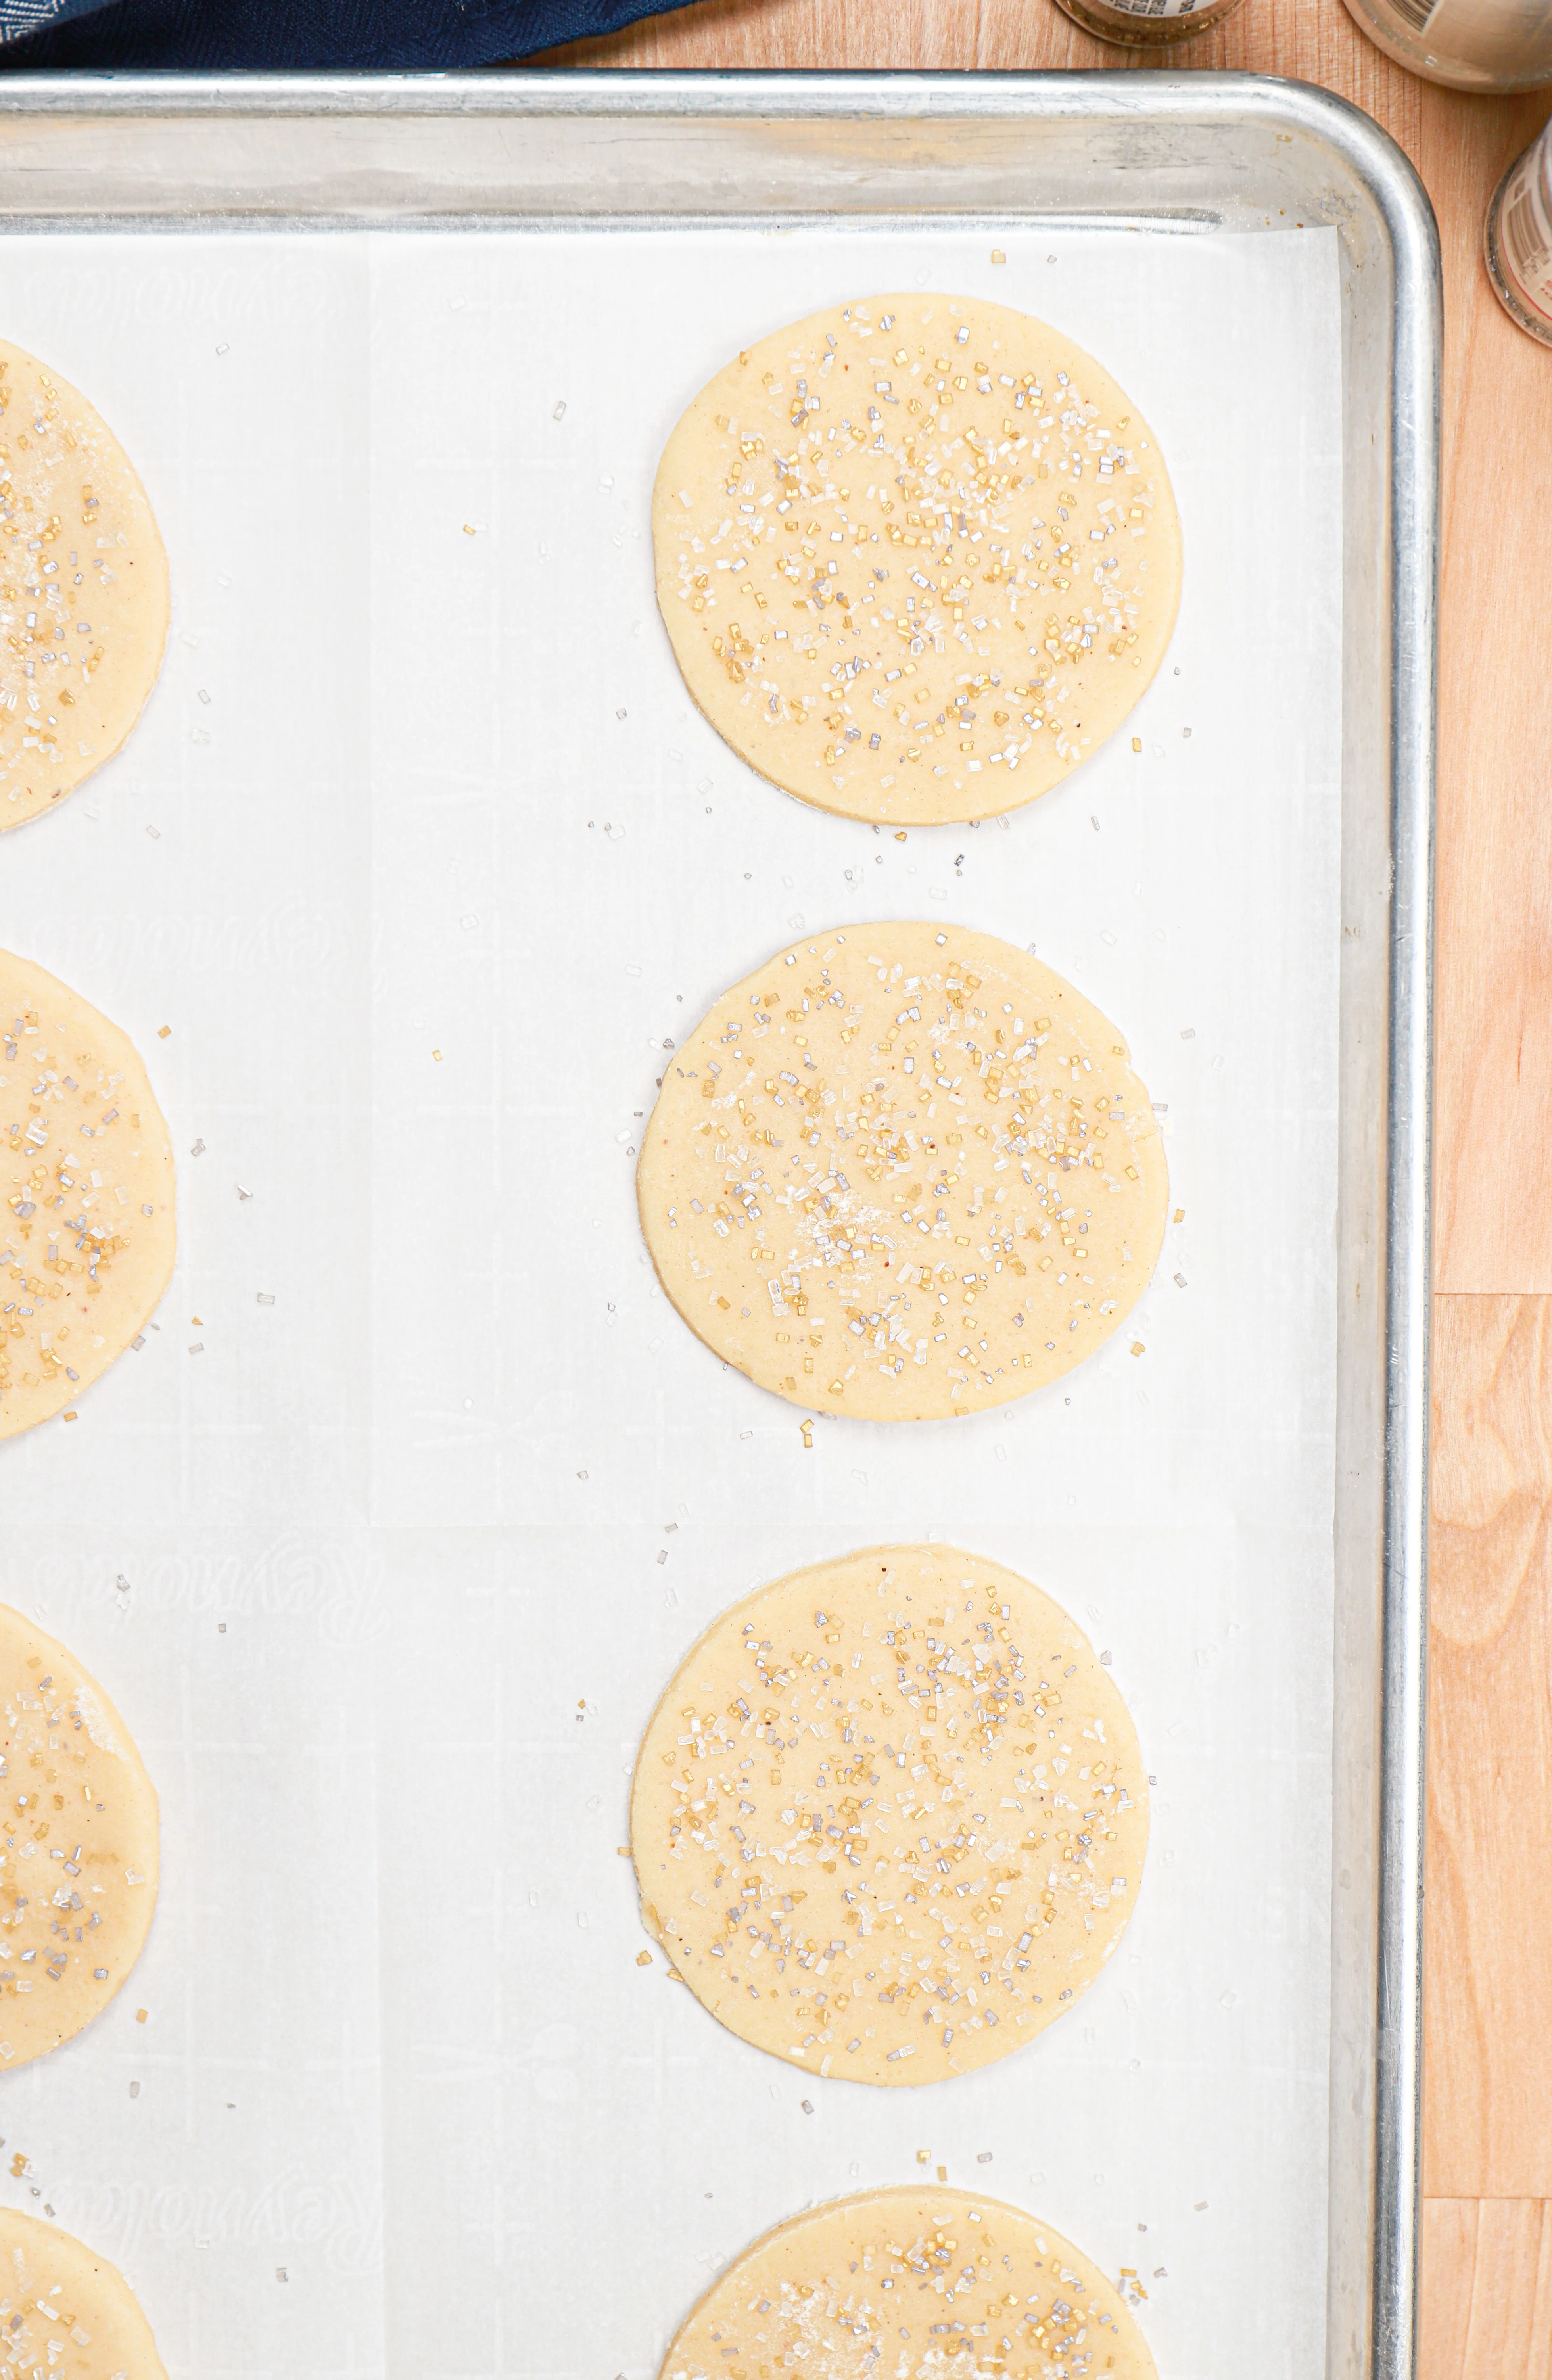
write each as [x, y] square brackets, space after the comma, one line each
[1147, 24]
[1467, 44]
[1518, 239]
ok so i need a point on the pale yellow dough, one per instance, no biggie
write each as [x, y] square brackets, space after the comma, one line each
[918, 2284]
[903, 1172]
[87, 1229]
[889, 1817]
[83, 589]
[79, 1844]
[75, 2314]
[918, 555]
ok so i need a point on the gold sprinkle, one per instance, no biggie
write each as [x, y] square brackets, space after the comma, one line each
[468, 529]
[998, 258]
[69, 1416]
[140, 2015]
[644, 1958]
[1180, 1214]
[1136, 743]
[437, 1055]
[808, 1429]
[1137, 1347]
[163, 1031]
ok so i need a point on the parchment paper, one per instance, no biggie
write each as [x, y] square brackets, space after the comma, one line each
[409, 1552]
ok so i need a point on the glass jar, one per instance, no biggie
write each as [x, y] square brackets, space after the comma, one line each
[1468, 44]
[1518, 240]
[1147, 24]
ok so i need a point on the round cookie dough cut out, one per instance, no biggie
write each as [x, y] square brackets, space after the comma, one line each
[890, 1817]
[87, 1229]
[911, 2282]
[83, 589]
[903, 1172]
[55, 2293]
[73, 1785]
[918, 557]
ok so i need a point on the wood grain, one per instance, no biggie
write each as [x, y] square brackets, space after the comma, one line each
[1487, 2236]
[1489, 1971]
[1487, 2313]
[1494, 1005]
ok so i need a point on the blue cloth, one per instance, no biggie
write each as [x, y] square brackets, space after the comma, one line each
[215, 35]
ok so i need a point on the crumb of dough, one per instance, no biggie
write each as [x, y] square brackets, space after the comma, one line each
[890, 1815]
[68, 2309]
[80, 1840]
[903, 1172]
[924, 2283]
[87, 1229]
[918, 556]
[83, 590]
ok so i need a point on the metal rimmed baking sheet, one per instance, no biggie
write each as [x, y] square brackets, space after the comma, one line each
[1200, 160]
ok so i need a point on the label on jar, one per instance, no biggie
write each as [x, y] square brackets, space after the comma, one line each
[1495, 38]
[1525, 233]
[1145, 9]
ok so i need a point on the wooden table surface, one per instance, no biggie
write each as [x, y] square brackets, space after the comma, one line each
[1487, 2172]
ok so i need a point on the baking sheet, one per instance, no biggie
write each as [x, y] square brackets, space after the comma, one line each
[395, 1611]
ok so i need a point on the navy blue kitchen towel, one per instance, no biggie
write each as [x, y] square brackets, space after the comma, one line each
[209, 35]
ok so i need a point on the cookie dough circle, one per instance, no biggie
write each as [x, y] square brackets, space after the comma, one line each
[812, 2293]
[83, 589]
[97, 2330]
[88, 1227]
[918, 556]
[74, 1783]
[901, 1171]
[889, 1817]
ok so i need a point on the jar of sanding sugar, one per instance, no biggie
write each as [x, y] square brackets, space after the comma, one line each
[1142, 24]
[1468, 44]
[1518, 239]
